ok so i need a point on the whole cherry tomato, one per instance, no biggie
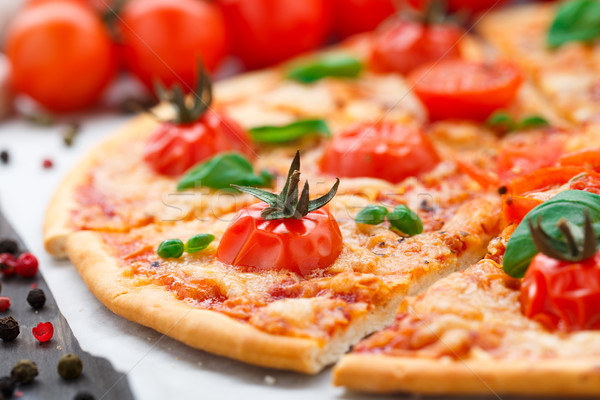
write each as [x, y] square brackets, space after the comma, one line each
[265, 32]
[469, 6]
[385, 150]
[562, 294]
[356, 16]
[164, 39]
[61, 54]
[299, 245]
[407, 45]
[174, 148]
[459, 89]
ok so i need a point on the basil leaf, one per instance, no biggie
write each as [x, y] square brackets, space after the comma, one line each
[335, 65]
[222, 171]
[575, 21]
[170, 248]
[501, 120]
[288, 133]
[405, 220]
[371, 215]
[198, 242]
[533, 121]
[570, 204]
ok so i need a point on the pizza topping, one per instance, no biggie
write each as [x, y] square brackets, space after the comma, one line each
[406, 221]
[460, 89]
[372, 215]
[198, 243]
[284, 232]
[336, 65]
[575, 21]
[384, 150]
[43, 331]
[503, 122]
[222, 171]
[171, 248]
[290, 132]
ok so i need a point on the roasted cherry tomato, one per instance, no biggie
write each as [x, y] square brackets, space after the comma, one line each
[299, 245]
[562, 294]
[461, 5]
[164, 39]
[265, 32]
[174, 148]
[407, 45]
[61, 54]
[385, 150]
[357, 16]
[459, 89]
[520, 156]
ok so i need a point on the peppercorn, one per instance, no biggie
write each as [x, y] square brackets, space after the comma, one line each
[4, 157]
[24, 372]
[84, 396]
[9, 246]
[36, 298]
[9, 329]
[7, 387]
[47, 163]
[69, 366]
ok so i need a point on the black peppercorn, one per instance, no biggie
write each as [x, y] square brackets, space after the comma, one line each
[24, 372]
[4, 157]
[84, 396]
[9, 329]
[36, 298]
[7, 387]
[69, 366]
[9, 246]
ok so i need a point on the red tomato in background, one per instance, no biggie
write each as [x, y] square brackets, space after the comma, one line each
[266, 32]
[461, 5]
[385, 150]
[561, 294]
[356, 16]
[173, 148]
[298, 245]
[164, 39]
[458, 89]
[61, 54]
[407, 45]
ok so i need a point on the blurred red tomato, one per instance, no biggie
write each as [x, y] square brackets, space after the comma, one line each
[356, 16]
[461, 5]
[61, 54]
[164, 39]
[265, 32]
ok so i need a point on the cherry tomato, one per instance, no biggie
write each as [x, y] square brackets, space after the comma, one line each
[408, 45]
[61, 54]
[465, 89]
[299, 245]
[265, 32]
[173, 148]
[385, 150]
[589, 158]
[470, 6]
[562, 294]
[357, 16]
[520, 156]
[164, 39]
[514, 208]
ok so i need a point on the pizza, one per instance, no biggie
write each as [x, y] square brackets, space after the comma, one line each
[282, 216]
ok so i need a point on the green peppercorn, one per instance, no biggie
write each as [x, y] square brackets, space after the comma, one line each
[198, 242]
[405, 220]
[170, 248]
[7, 387]
[36, 298]
[9, 329]
[371, 215]
[69, 366]
[24, 372]
[84, 396]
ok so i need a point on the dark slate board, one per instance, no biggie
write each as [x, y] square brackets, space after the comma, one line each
[99, 377]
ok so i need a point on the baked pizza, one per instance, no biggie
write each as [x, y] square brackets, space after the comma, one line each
[283, 215]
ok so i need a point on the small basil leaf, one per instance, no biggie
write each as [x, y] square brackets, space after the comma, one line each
[570, 205]
[405, 220]
[170, 248]
[501, 120]
[575, 21]
[198, 242]
[222, 171]
[335, 65]
[288, 133]
[371, 215]
[533, 121]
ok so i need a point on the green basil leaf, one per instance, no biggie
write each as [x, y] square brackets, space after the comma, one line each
[288, 133]
[570, 204]
[371, 215]
[170, 248]
[198, 242]
[222, 171]
[575, 21]
[501, 120]
[405, 220]
[533, 121]
[335, 65]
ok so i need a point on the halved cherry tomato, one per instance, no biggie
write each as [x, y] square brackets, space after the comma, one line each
[356, 16]
[173, 148]
[459, 89]
[298, 245]
[562, 295]
[385, 150]
[461, 5]
[164, 39]
[589, 158]
[514, 208]
[486, 179]
[61, 54]
[528, 153]
[407, 45]
[543, 178]
[588, 182]
[265, 32]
